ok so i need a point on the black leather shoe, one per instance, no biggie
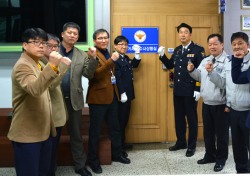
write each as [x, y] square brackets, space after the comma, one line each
[83, 172]
[218, 167]
[124, 154]
[177, 147]
[190, 152]
[96, 168]
[121, 159]
[205, 161]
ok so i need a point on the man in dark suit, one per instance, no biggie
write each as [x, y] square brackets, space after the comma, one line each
[81, 65]
[124, 80]
[186, 89]
[102, 98]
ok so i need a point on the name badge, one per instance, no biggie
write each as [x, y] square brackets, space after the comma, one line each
[113, 79]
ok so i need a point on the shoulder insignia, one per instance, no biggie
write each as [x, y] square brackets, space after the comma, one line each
[203, 54]
[198, 45]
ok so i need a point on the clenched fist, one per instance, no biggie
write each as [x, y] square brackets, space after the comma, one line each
[92, 52]
[115, 56]
[55, 58]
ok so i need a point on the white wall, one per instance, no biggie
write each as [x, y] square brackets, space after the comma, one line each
[232, 22]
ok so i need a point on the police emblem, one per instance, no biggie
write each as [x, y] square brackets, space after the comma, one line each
[140, 36]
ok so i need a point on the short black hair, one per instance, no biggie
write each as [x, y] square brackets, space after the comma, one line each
[53, 37]
[34, 33]
[98, 31]
[241, 35]
[185, 26]
[71, 25]
[120, 38]
[220, 38]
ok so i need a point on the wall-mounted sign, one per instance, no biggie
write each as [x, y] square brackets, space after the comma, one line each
[146, 37]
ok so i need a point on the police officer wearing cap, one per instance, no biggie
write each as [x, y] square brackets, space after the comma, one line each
[186, 89]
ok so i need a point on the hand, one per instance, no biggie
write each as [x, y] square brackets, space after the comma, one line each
[209, 66]
[115, 56]
[197, 95]
[92, 52]
[161, 50]
[66, 60]
[55, 58]
[124, 97]
[136, 48]
[239, 54]
[190, 66]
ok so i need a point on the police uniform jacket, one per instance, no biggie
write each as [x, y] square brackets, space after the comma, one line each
[32, 111]
[211, 93]
[184, 85]
[124, 75]
[101, 90]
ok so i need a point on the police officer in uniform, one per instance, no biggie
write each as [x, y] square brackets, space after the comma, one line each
[124, 80]
[186, 89]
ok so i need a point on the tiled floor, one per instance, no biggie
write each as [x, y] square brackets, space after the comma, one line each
[153, 159]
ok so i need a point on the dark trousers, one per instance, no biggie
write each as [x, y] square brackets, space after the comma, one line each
[240, 139]
[98, 114]
[215, 131]
[55, 143]
[186, 107]
[123, 114]
[76, 142]
[33, 158]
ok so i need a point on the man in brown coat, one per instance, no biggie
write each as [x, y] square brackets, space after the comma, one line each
[32, 126]
[102, 98]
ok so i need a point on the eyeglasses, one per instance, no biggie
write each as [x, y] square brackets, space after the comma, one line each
[102, 38]
[123, 44]
[37, 43]
[51, 46]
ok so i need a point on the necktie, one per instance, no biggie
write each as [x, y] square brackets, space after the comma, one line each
[184, 50]
[213, 60]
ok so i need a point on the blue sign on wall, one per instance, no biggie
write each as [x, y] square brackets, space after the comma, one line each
[146, 37]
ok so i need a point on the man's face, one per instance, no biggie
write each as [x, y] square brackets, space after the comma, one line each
[52, 45]
[35, 48]
[215, 46]
[102, 40]
[70, 36]
[239, 44]
[184, 35]
[121, 47]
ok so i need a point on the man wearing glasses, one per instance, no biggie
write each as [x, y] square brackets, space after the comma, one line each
[82, 65]
[124, 76]
[102, 98]
[59, 113]
[32, 125]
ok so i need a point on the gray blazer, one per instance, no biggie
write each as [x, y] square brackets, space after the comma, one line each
[81, 65]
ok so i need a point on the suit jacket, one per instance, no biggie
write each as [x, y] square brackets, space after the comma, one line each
[124, 75]
[184, 85]
[32, 111]
[101, 90]
[59, 112]
[80, 66]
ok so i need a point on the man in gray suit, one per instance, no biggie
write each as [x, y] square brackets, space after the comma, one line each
[81, 65]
